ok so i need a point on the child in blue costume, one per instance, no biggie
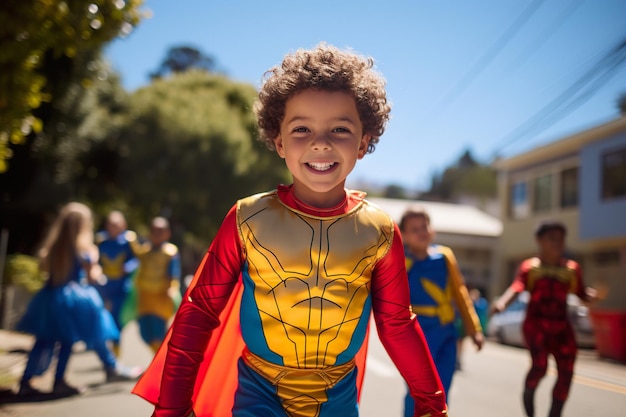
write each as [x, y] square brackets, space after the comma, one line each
[438, 293]
[118, 261]
[68, 309]
[157, 283]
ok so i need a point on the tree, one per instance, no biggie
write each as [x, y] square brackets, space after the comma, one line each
[189, 152]
[184, 58]
[466, 177]
[34, 34]
[395, 191]
[69, 160]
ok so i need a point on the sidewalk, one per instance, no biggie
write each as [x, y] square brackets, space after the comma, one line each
[102, 398]
[14, 348]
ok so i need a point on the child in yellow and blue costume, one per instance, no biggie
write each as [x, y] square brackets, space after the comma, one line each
[118, 261]
[438, 294]
[157, 283]
[275, 322]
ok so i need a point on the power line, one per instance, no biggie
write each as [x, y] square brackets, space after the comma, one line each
[574, 96]
[488, 56]
[544, 35]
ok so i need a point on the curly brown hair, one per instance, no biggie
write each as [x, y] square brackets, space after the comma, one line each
[324, 67]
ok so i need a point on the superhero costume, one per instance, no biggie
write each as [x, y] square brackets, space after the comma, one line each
[156, 281]
[438, 292]
[118, 262]
[546, 328]
[303, 281]
[65, 313]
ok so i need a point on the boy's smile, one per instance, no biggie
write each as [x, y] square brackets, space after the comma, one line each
[321, 138]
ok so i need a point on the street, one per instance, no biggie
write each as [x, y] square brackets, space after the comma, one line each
[489, 385]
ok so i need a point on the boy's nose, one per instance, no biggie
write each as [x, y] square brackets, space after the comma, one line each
[321, 142]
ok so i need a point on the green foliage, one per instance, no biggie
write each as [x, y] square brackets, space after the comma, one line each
[23, 270]
[465, 177]
[188, 151]
[395, 191]
[33, 32]
[70, 158]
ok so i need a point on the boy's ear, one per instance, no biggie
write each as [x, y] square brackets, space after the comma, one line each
[363, 145]
[280, 148]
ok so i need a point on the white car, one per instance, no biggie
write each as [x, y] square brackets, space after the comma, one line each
[506, 327]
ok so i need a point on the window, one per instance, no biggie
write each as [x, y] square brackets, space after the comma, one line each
[542, 193]
[606, 258]
[569, 187]
[614, 174]
[519, 201]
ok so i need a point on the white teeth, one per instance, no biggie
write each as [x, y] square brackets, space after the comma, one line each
[321, 166]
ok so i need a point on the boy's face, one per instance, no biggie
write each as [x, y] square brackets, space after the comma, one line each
[552, 243]
[321, 138]
[114, 226]
[417, 234]
[159, 235]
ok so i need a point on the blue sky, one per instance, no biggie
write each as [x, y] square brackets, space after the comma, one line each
[475, 75]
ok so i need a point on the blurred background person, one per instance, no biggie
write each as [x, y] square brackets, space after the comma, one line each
[481, 305]
[68, 308]
[157, 283]
[118, 261]
[438, 291]
[549, 278]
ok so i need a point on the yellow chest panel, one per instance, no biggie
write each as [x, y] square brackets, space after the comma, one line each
[310, 275]
[153, 274]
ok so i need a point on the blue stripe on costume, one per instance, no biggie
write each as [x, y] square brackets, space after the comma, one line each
[250, 314]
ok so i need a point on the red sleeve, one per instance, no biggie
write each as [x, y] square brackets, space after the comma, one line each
[580, 286]
[196, 319]
[401, 334]
[521, 277]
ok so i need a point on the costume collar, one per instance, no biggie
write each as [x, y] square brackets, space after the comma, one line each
[351, 200]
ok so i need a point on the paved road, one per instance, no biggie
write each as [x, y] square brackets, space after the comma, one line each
[488, 386]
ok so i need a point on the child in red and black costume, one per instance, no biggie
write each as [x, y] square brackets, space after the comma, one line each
[549, 278]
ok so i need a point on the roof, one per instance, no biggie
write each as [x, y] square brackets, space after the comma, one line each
[564, 146]
[446, 217]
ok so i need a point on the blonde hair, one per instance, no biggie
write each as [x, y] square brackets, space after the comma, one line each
[71, 234]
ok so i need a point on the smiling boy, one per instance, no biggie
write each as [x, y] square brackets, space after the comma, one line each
[299, 269]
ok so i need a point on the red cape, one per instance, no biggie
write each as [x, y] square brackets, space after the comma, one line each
[216, 382]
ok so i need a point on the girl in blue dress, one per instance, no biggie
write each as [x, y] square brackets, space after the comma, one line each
[68, 308]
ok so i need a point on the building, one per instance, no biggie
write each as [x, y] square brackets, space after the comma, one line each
[581, 181]
[471, 233]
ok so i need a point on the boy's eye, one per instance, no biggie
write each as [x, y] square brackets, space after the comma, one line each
[300, 129]
[341, 130]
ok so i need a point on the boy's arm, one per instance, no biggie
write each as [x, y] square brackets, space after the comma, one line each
[196, 319]
[173, 271]
[132, 251]
[586, 294]
[401, 334]
[503, 301]
[512, 292]
[461, 295]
